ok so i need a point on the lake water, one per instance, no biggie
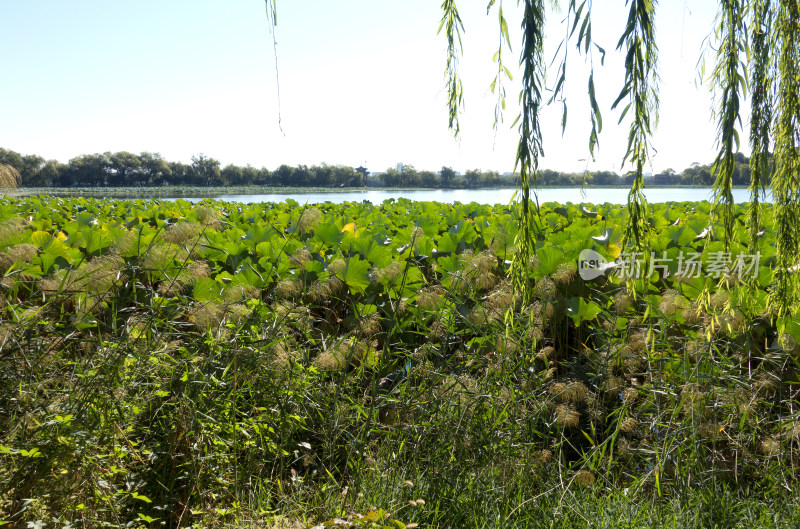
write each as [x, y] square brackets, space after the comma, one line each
[562, 195]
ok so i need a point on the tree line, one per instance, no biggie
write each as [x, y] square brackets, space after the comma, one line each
[125, 169]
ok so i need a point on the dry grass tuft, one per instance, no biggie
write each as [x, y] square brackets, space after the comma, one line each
[585, 478]
[569, 392]
[188, 233]
[622, 302]
[158, 260]
[670, 303]
[96, 277]
[308, 218]
[546, 354]
[567, 416]
[460, 389]
[11, 232]
[544, 289]
[284, 354]
[300, 257]
[630, 395]
[502, 298]
[236, 293]
[17, 253]
[289, 288]
[564, 274]
[100, 274]
[623, 449]
[370, 325]
[614, 385]
[207, 316]
[287, 313]
[185, 278]
[719, 299]
[322, 291]
[388, 274]
[480, 315]
[628, 424]
[765, 385]
[770, 447]
[208, 217]
[430, 298]
[343, 354]
[477, 271]
[337, 266]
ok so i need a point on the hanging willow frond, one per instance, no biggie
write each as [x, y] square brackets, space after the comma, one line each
[786, 182]
[580, 15]
[530, 140]
[762, 89]
[9, 177]
[641, 91]
[272, 16]
[503, 73]
[730, 86]
[451, 22]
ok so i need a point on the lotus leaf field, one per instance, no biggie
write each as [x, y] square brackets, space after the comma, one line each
[280, 365]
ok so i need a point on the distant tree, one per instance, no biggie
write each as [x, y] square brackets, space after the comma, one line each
[205, 170]
[11, 158]
[321, 175]
[284, 175]
[31, 165]
[491, 178]
[231, 175]
[123, 169]
[249, 175]
[472, 178]
[302, 176]
[265, 177]
[409, 176]
[605, 178]
[49, 174]
[181, 174]
[446, 176]
[86, 170]
[342, 175]
[154, 169]
[391, 177]
[427, 179]
[548, 177]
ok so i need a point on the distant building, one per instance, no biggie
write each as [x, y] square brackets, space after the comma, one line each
[661, 179]
[400, 167]
[364, 174]
[628, 178]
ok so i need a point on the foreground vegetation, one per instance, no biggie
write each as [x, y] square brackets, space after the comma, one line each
[271, 365]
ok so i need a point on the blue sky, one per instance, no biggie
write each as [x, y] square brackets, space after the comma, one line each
[361, 82]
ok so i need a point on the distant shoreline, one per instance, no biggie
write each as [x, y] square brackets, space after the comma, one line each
[173, 191]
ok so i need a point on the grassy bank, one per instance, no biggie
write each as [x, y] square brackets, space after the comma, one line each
[260, 365]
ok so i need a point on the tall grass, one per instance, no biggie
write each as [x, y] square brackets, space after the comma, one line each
[126, 401]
